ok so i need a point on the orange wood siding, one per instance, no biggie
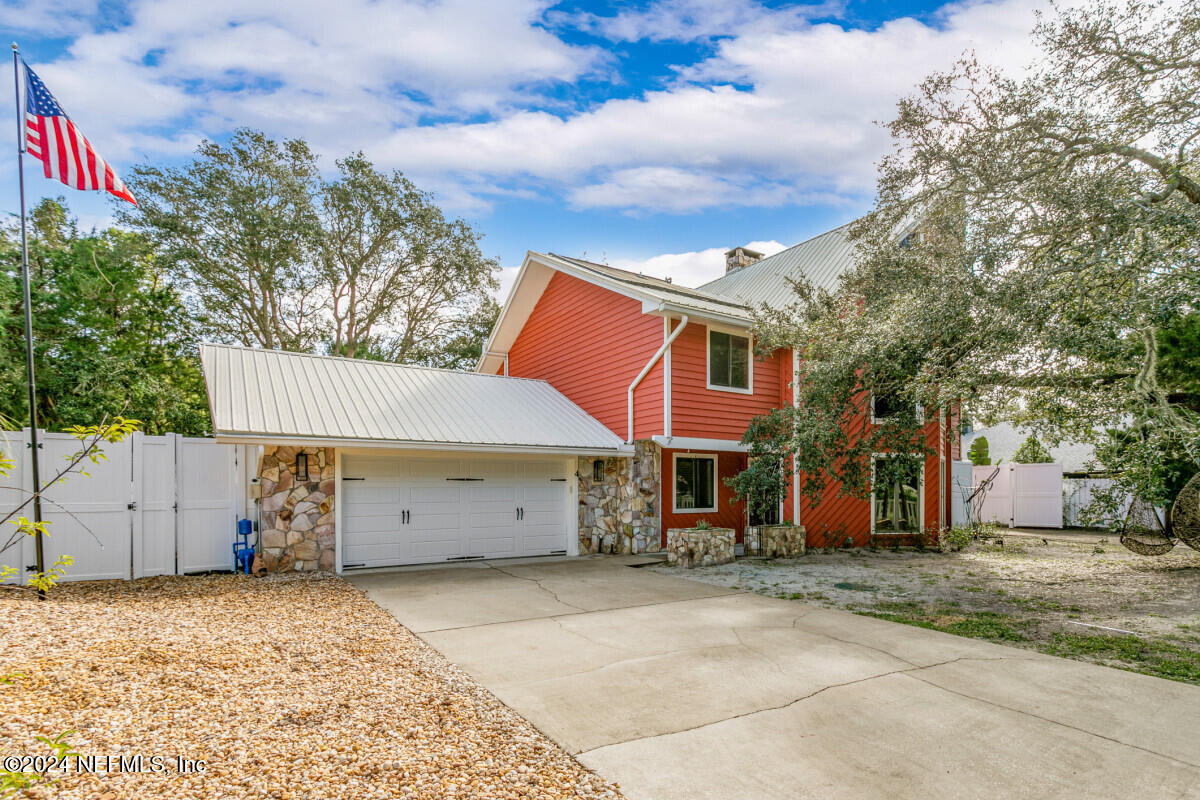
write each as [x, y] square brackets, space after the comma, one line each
[727, 515]
[590, 343]
[699, 411]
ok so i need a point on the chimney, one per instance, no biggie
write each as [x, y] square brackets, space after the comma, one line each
[740, 257]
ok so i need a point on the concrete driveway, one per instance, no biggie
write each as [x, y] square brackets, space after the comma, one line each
[676, 689]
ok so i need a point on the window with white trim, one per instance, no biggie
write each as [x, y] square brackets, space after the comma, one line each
[728, 360]
[695, 483]
[895, 496]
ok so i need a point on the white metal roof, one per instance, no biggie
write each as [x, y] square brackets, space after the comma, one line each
[822, 259]
[271, 394]
[699, 301]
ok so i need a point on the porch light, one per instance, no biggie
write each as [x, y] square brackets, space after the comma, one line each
[302, 466]
[598, 470]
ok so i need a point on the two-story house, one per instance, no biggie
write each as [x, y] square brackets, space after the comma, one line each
[608, 407]
[673, 371]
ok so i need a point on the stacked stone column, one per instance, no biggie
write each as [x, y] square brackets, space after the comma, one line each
[297, 515]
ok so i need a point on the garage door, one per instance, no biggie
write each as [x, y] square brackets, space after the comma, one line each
[416, 510]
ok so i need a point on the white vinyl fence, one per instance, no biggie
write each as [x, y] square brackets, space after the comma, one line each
[1023, 495]
[1078, 494]
[160, 505]
[962, 482]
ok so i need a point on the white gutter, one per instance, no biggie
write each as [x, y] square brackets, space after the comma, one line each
[646, 370]
[390, 444]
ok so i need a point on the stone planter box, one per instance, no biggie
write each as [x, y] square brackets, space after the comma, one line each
[775, 541]
[699, 547]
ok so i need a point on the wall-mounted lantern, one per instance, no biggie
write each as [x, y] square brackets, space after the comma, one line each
[598, 470]
[302, 466]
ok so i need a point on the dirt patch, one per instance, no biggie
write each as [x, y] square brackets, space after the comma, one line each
[1092, 601]
[285, 687]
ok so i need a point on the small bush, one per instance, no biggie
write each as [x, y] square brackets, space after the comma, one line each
[956, 538]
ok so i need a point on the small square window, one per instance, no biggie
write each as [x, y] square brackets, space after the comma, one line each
[598, 470]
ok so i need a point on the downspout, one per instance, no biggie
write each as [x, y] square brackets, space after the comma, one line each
[683, 321]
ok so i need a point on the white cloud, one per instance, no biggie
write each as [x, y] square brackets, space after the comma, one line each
[786, 104]
[694, 268]
[782, 112]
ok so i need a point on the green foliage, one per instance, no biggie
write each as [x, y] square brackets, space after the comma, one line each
[47, 580]
[403, 283]
[365, 265]
[111, 333]
[1032, 451]
[14, 782]
[702, 525]
[1053, 224]
[956, 538]
[238, 228]
[978, 452]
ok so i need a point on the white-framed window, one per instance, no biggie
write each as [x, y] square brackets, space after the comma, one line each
[883, 407]
[897, 500]
[730, 360]
[695, 478]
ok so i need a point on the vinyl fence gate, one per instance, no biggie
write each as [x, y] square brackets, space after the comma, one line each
[1023, 495]
[159, 505]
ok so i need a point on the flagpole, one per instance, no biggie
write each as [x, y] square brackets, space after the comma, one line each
[33, 421]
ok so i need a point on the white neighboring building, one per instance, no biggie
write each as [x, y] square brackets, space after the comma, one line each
[1005, 439]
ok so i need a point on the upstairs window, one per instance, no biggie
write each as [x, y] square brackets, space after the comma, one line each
[728, 361]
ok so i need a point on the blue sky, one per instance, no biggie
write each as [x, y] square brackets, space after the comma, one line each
[652, 135]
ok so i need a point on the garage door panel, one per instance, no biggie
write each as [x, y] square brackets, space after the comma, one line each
[450, 518]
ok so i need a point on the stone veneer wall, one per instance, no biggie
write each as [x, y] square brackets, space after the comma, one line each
[621, 514]
[297, 517]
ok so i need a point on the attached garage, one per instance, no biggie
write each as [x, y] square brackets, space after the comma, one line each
[368, 464]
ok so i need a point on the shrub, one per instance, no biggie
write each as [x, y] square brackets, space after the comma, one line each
[1032, 451]
[979, 452]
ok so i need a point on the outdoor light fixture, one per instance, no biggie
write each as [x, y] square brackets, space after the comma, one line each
[302, 467]
[598, 470]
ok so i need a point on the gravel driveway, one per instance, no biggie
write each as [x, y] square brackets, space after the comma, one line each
[285, 687]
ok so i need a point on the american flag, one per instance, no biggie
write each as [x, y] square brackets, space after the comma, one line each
[64, 151]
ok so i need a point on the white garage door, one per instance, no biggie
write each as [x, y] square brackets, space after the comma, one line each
[411, 510]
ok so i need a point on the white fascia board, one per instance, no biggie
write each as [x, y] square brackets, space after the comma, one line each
[493, 355]
[378, 444]
[696, 443]
[662, 308]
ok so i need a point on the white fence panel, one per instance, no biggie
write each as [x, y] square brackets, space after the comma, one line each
[207, 495]
[1023, 495]
[997, 503]
[962, 482]
[89, 516]
[159, 505]
[1078, 494]
[1037, 495]
[154, 524]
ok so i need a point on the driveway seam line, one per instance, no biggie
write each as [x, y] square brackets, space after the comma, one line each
[575, 613]
[1056, 722]
[801, 699]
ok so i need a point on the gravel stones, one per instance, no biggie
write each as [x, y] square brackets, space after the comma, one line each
[290, 687]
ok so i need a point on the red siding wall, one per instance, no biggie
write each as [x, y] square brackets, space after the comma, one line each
[838, 517]
[710, 413]
[727, 515]
[590, 343]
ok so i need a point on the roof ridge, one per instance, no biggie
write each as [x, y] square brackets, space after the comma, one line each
[754, 267]
[678, 288]
[368, 361]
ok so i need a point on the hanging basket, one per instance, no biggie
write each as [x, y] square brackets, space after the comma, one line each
[1143, 532]
[1185, 514]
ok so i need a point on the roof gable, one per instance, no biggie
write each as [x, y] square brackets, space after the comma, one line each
[656, 296]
